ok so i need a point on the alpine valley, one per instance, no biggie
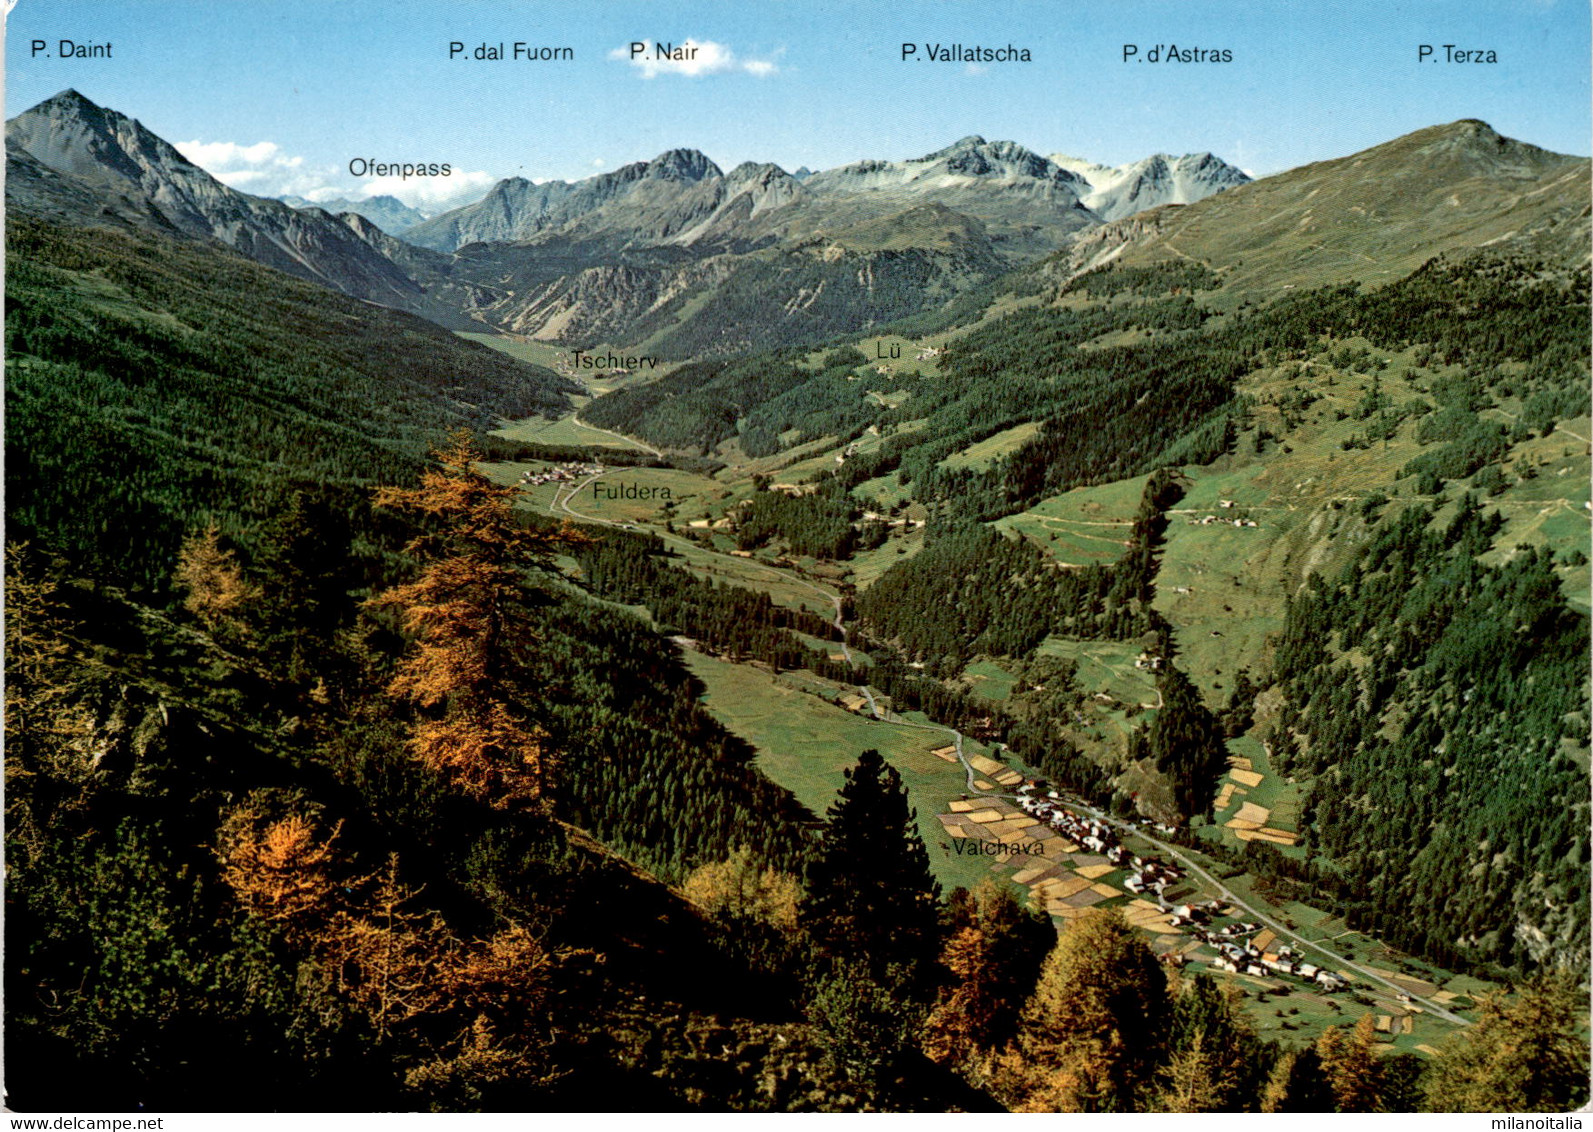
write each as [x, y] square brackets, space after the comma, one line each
[980, 632]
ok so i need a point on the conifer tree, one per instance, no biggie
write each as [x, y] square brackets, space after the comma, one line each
[871, 913]
[1298, 1083]
[1528, 1054]
[280, 870]
[1094, 1029]
[306, 573]
[462, 609]
[992, 957]
[1352, 1068]
[1215, 1061]
[871, 897]
[217, 593]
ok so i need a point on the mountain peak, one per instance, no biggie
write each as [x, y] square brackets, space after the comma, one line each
[682, 165]
[1162, 178]
[68, 97]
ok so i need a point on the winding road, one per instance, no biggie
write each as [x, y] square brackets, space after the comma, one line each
[579, 423]
[561, 505]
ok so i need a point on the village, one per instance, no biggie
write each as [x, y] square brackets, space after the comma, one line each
[1084, 863]
[566, 472]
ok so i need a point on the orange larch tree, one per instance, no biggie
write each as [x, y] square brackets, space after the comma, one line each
[461, 610]
[215, 585]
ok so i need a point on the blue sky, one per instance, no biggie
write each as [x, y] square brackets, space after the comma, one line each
[280, 95]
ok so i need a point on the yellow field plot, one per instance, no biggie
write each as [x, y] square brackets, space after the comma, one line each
[947, 753]
[1407, 1024]
[1065, 912]
[986, 765]
[1429, 1050]
[983, 784]
[1276, 836]
[1141, 902]
[1384, 1023]
[1142, 916]
[961, 807]
[1005, 826]
[1066, 846]
[1445, 997]
[1416, 986]
[1010, 778]
[1245, 777]
[1271, 836]
[1105, 890]
[1225, 795]
[1024, 876]
[982, 816]
[1411, 983]
[1095, 872]
[1264, 939]
[1063, 887]
[1151, 921]
[1013, 837]
[956, 831]
[1240, 762]
[1252, 812]
[1235, 823]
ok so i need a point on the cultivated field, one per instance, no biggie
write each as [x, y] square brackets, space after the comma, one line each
[806, 743]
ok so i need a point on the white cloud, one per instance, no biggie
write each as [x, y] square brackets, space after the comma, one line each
[229, 154]
[264, 170]
[698, 57]
[975, 69]
[429, 194]
[261, 168]
[598, 163]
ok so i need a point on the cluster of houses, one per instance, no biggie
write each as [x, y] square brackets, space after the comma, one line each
[1193, 916]
[1090, 833]
[1240, 954]
[930, 352]
[1208, 520]
[1236, 950]
[1150, 873]
[561, 473]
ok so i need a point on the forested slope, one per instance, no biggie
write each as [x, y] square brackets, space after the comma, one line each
[151, 381]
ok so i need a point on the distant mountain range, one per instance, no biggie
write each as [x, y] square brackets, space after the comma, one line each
[682, 199]
[677, 256]
[392, 215]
